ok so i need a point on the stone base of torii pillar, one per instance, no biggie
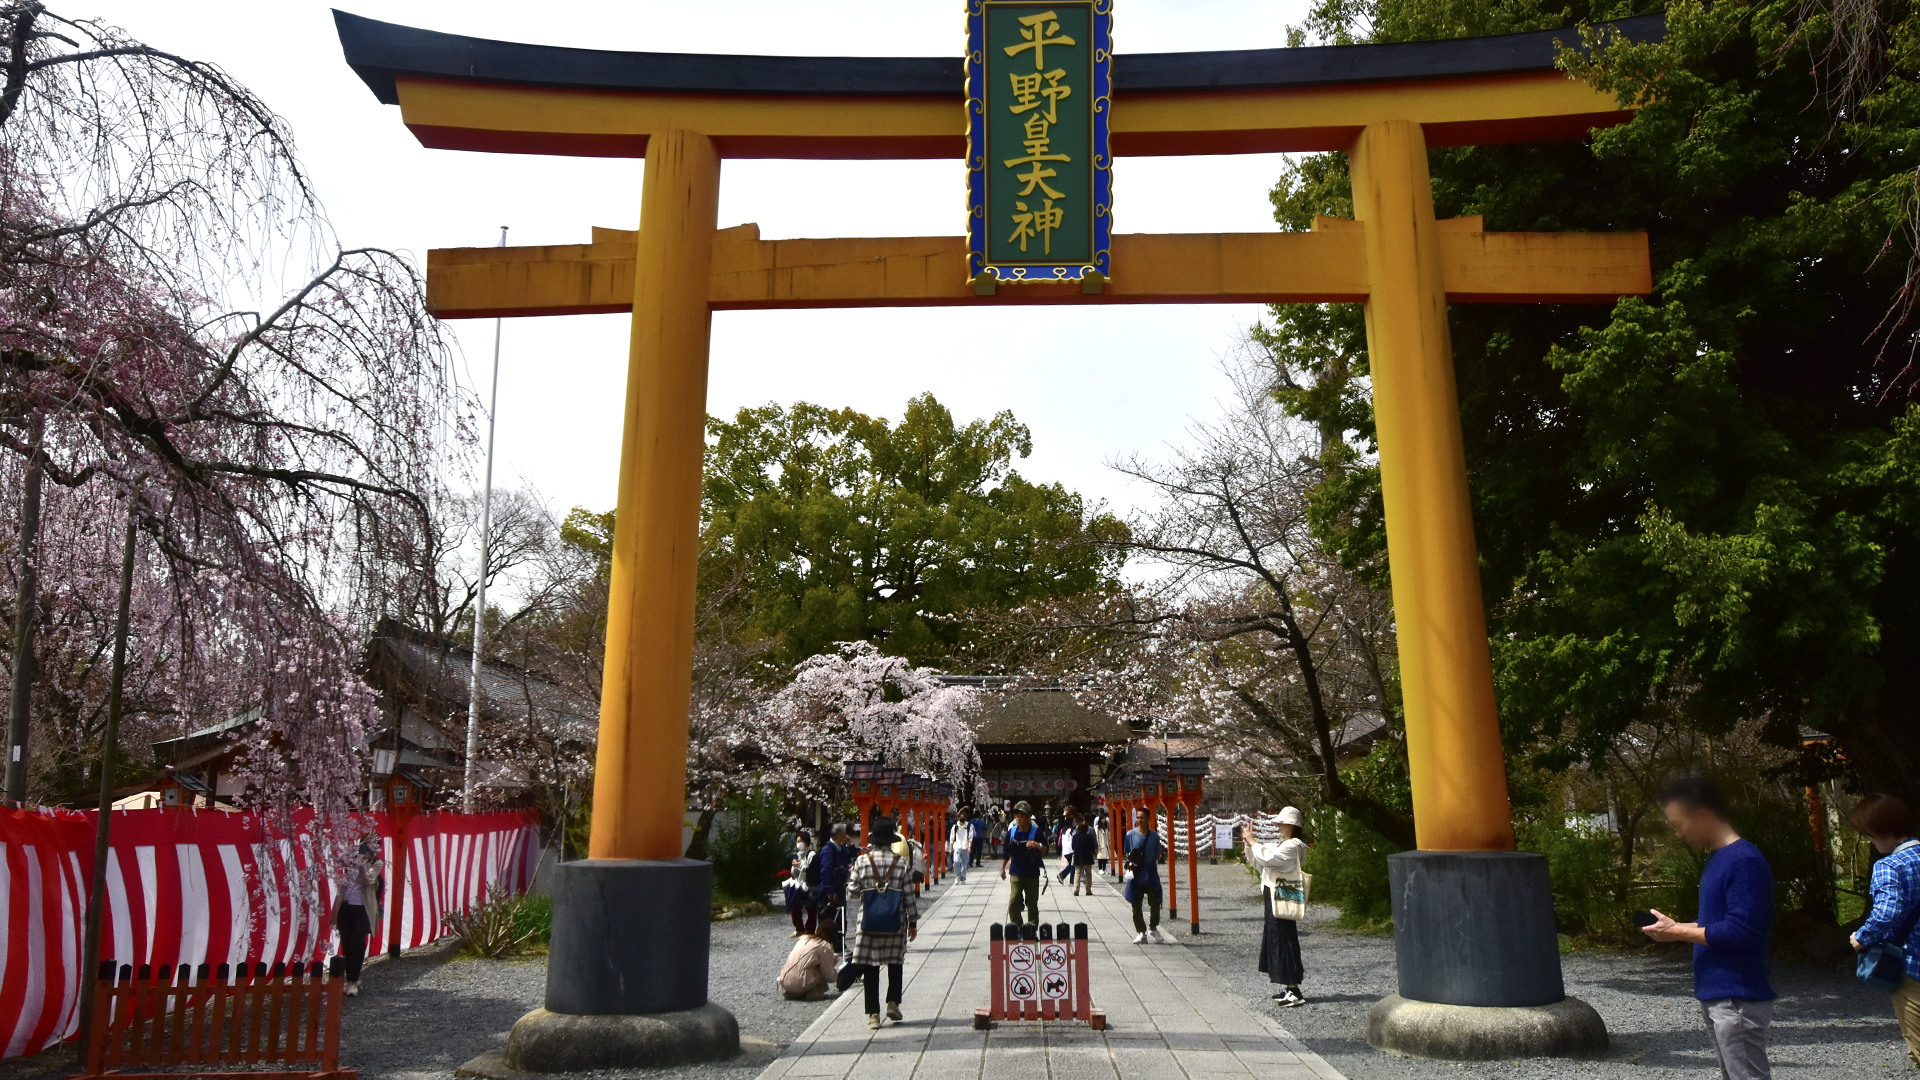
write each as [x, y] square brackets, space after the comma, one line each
[1479, 963]
[627, 975]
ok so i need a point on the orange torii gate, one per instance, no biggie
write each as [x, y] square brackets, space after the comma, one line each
[1385, 106]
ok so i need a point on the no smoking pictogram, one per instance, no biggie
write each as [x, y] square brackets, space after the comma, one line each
[1020, 958]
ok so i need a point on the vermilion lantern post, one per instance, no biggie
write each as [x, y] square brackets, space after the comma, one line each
[942, 811]
[917, 805]
[888, 796]
[1189, 774]
[863, 777]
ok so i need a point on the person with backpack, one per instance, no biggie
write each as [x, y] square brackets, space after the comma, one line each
[1894, 922]
[1140, 854]
[803, 885]
[1085, 845]
[883, 916]
[1026, 856]
[960, 846]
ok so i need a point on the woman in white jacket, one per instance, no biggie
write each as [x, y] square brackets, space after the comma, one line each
[1280, 938]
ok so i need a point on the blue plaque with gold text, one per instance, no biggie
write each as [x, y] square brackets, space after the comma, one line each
[1039, 173]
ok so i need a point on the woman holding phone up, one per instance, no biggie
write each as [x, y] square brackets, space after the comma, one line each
[1279, 866]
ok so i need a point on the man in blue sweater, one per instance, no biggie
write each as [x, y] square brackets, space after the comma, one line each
[1730, 939]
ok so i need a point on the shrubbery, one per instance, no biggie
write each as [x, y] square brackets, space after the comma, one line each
[749, 847]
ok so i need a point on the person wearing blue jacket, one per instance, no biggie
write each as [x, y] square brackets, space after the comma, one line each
[1889, 825]
[1730, 938]
[1142, 850]
[836, 862]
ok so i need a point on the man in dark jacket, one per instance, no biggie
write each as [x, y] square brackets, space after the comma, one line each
[1085, 846]
[836, 862]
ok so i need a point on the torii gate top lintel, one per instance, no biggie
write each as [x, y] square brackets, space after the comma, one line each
[465, 93]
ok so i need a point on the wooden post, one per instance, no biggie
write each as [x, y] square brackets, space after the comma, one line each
[1454, 754]
[103, 825]
[1173, 861]
[640, 786]
[1193, 874]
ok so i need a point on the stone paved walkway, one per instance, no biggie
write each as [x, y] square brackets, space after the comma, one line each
[1168, 1015]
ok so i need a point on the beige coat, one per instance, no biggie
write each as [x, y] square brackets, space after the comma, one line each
[809, 968]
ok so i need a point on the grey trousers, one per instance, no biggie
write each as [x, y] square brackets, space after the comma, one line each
[1740, 1036]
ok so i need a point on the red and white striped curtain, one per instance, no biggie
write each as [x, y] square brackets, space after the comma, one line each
[212, 888]
[454, 861]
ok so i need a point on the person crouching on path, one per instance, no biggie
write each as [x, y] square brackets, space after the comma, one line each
[1026, 856]
[1141, 856]
[1890, 826]
[882, 917]
[356, 911]
[1280, 938]
[808, 971]
[1730, 940]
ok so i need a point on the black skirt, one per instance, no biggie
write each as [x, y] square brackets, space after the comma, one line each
[1279, 946]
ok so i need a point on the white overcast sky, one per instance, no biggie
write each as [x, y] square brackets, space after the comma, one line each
[1093, 384]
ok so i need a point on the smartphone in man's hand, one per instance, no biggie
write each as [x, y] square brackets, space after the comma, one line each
[1645, 918]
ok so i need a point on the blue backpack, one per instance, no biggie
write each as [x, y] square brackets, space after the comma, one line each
[880, 910]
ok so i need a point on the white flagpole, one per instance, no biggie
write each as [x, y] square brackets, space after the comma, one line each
[480, 591]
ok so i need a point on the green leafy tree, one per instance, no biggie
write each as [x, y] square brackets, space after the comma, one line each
[844, 527]
[1700, 507]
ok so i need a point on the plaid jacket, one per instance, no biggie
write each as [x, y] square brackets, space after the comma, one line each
[1896, 889]
[871, 871]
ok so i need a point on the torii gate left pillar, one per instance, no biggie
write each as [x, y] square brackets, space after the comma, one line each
[628, 970]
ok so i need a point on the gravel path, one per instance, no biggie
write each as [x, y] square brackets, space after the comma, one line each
[421, 1017]
[1826, 1027]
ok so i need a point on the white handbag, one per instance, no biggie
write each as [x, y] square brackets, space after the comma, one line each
[1290, 896]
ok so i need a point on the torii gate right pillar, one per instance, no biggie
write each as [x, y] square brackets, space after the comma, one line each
[1446, 671]
[1498, 952]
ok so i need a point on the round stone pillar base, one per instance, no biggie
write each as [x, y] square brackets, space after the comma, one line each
[1568, 1028]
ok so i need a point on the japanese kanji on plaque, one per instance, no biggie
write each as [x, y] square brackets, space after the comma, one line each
[1039, 171]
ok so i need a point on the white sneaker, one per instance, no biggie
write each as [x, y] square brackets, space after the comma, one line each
[352, 989]
[1158, 937]
[1140, 938]
[1293, 999]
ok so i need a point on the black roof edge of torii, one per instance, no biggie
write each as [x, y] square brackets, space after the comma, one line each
[380, 51]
